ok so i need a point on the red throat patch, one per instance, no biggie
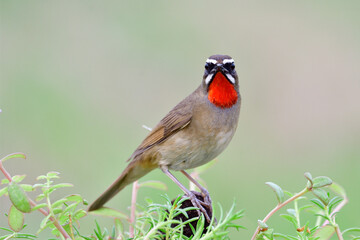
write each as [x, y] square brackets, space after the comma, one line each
[221, 92]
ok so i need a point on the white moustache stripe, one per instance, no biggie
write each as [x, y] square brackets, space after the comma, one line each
[208, 79]
[209, 60]
[231, 78]
[228, 61]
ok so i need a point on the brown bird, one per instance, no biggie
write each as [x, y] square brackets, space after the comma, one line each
[193, 133]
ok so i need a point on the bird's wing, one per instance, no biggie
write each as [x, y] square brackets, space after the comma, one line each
[177, 119]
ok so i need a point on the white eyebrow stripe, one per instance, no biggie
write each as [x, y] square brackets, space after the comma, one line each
[208, 78]
[231, 78]
[228, 61]
[209, 60]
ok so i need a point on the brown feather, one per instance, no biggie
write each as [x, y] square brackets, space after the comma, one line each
[133, 171]
[178, 118]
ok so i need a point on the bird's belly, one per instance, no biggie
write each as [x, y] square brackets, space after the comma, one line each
[185, 153]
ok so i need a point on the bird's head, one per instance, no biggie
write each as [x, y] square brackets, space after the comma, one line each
[221, 81]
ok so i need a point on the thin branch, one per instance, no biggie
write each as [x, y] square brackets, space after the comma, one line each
[338, 232]
[277, 208]
[71, 227]
[133, 208]
[6, 174]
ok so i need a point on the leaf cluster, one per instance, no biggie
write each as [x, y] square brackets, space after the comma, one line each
[323, 207]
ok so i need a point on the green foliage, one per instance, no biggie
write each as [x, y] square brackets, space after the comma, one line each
[64, 211]
[18, 197]
[158, 221]
[10, 234]
[16, 219]
[172, 219]
[62, 216]
[278, 191]
[324, 208]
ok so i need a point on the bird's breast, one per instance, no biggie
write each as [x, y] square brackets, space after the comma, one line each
[185, 151]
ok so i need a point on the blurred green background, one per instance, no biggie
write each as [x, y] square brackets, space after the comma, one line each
[79, 79]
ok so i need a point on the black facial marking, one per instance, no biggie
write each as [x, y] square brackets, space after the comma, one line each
[209, 66]
[229, 66]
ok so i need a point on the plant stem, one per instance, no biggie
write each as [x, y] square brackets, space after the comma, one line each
[133, 208]
[338, 232]
[32, 203]
[333, 224]
[6, 174]
[51, 212]
[71, 227]
[278, 207]
[297, 214]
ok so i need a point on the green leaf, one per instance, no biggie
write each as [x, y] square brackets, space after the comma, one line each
[305, 207]
[309, 178]
[3, 191]
[325, 232]
[18, 178]
[27, 187]
[118, 225]
[278, 191]
[41, 177]
[290, 218]
[70, 207]
[338, 189]
[52, 175]
[40, 197]
[57, 210]
[58, 203]
[109, 212]
[18, 198]
[6, 229]
[351, 230]
[44, 223]
[322, 195]
[60, 185]
[16, 219]
[323, 216]
[291, 212]
[282, 235]
[79, 214]
[154, 184]
[5, 181]
[321, 181]
[39, 185]
[319, 203]
[288, 193]
[13, 155]
[42, 205]
[333, 202]
[74, 198]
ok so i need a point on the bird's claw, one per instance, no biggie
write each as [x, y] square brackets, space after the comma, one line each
[200, 204]
[207, 199]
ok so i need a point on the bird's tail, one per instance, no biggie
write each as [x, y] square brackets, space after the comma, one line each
[132, 172]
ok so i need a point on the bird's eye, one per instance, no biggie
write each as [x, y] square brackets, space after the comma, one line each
[229, 66]
[209, 66]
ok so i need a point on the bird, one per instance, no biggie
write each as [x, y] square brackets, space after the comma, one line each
[193, 133]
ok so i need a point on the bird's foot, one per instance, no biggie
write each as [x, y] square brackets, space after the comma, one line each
[201, 202]
[207, 200]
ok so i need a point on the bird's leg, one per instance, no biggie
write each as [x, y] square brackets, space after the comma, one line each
[196, 202]
[205, 193]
